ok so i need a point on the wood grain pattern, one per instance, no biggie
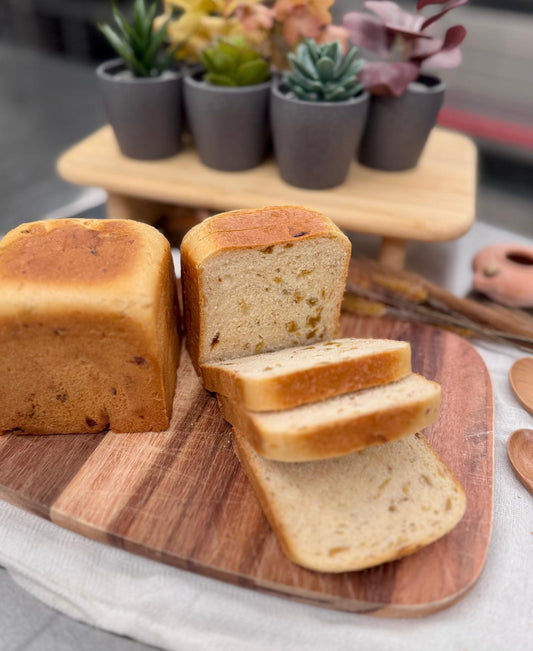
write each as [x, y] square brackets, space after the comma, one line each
[181, 497]
[434, 201]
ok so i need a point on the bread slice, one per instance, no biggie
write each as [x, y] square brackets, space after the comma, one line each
[261, 280]
[296, 376]
[359, 510]
[339, 425]
[88, 327]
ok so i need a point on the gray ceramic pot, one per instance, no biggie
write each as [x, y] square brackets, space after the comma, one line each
[398, 127]
[229, 124]
[314, 141]
[145, 113]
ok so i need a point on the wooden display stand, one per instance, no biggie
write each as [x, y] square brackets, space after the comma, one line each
[433, 202]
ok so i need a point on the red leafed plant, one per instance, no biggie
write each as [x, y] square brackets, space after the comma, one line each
[406, 42]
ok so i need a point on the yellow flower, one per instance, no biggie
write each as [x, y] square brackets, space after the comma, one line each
[209, 29]
[204, 21]
[194, 6]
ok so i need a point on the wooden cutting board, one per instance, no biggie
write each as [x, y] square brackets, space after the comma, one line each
[180, 496]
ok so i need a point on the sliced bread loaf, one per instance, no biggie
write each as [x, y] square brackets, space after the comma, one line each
[339, 425]
[359, 510]
[261, 280]
[296, 376]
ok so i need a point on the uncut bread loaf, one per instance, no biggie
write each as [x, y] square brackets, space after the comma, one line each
[88, 327]
[261, 280]
[295, 376]
[359, 510]
[338, 425]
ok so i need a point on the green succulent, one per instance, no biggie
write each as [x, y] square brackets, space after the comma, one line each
[234, 63]
[137, 42]
[321, 73]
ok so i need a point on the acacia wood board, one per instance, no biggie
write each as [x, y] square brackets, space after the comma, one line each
[181, 497]
[434, 201]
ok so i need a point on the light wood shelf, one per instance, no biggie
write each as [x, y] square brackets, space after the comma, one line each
[433, 202]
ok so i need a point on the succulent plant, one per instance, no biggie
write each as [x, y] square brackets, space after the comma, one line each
[137, 42]
[234, 63]
[404, 42]
[321, 73]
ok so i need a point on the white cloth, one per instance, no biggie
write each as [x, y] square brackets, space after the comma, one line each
[160, 605]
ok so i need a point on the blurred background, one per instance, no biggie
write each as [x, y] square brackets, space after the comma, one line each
[49, 100]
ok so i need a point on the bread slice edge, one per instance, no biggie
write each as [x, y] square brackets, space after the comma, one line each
[307, 385]
[337, 437]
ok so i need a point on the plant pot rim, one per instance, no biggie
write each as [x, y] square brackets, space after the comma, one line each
[436, 88]
[191, 80]
[103, 72]
[358, 99]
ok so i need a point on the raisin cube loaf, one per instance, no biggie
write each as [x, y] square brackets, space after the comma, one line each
[88, 327]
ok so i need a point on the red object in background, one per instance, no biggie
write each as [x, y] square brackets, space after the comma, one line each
[481, 126]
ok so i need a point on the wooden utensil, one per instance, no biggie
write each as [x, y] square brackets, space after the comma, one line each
[520, 453]
[521, 379]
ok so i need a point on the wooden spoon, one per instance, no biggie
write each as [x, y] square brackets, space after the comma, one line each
[521, 379]
[520, 453]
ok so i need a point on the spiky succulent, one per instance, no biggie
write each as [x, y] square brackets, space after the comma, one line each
[234, 63]
[321, 73]
[137, 42]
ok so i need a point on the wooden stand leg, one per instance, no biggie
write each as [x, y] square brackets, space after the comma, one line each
[173, 221]
[392, 252]
[120, 206]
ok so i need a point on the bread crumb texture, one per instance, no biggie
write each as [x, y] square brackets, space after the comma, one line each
[88, 328]
[358, 510]
[290, 302]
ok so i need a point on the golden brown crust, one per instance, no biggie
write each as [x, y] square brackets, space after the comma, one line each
[70, 251]
[254, 228]
[192, 301]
